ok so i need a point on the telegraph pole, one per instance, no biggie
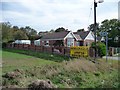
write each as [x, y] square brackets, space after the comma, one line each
[95, 24]
[95, 5]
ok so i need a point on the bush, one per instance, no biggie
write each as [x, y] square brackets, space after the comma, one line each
[101, 48]
[4, 45]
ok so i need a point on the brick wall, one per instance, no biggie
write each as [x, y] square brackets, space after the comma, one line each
[56, 50]
[62, 50]
[88, 42]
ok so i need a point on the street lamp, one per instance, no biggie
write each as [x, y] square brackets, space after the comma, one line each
[95, 24]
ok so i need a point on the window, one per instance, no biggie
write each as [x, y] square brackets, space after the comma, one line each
[77, 43]
[70, 42]
[47, 42]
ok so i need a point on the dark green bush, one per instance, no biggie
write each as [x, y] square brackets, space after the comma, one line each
[4, 44]
[101, 48]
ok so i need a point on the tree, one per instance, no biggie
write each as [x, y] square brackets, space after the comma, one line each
[79, 30]
[60, 29]
[91, 28]
[30, 32]
[52, 30]
[113, 28]
[15, 28]
[101, 48]
[20, 35]
[6, 34]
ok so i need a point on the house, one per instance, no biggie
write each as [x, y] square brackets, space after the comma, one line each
[86, 36]
[37, 42]
[100, 39]
[64, 38]
[22, 42]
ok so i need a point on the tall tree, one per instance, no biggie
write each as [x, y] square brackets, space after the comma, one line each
[113, 28]
[91, 27]
[6, 35]
[79, 30]
[20, 35]
[60, 29]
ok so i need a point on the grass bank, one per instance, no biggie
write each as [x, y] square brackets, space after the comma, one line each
[75, 73]
[11, 61]
[42, 55]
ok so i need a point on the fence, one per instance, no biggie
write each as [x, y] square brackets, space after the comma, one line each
[56, 50]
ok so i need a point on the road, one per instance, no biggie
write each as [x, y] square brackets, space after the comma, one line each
[112, 57]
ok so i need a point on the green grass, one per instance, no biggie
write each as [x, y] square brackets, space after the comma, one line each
[75, 73]
[13, 61]
[42, 55]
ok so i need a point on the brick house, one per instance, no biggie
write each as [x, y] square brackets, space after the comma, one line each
[86, 36]
[64, 38]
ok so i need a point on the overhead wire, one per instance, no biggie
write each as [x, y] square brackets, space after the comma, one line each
[90, 14]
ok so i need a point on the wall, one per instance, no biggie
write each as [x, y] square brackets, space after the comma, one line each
[87, 42]
[55, 50]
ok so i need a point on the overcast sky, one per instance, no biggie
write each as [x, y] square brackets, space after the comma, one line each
[44, 15]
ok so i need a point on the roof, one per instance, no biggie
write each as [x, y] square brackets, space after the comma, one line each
[82, 34]
[99, 38]
[77, 36]
[56, 35]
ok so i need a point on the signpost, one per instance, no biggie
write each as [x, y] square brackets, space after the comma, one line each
[79, 51]
[105, 34]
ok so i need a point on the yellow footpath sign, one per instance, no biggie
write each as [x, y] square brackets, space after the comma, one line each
[79, 51]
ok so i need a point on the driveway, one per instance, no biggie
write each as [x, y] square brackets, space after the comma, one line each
[112, 57]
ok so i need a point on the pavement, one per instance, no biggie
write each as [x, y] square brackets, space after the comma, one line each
[112, 57]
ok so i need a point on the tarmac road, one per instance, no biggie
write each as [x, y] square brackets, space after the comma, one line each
[112, 57]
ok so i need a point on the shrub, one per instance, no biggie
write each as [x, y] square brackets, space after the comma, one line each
[100, 48]
[4, 45]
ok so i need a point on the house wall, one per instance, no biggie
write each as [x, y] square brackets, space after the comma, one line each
[51, 42]
[66, 41]
[89, 36]
[69, 36]
[37, 42]
[41, 43]
[88, 42]
[89, 39]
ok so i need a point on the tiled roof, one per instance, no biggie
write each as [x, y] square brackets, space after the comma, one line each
[82, 34]
[78, 37]
[99, 38]
[56, 35]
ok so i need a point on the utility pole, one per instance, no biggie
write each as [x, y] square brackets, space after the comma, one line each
[95, 5]
[95, 24]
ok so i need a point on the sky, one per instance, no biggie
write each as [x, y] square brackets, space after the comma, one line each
[119, 10]
[44, 15]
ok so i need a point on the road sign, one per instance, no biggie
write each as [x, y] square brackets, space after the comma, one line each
[103, 34]
[79, 51]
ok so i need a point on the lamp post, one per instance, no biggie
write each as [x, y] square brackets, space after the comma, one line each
[95, 24]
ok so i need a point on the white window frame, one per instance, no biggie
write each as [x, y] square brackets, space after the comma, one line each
[70, 42]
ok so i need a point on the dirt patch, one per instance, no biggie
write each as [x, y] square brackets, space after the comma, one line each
[41, 85]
